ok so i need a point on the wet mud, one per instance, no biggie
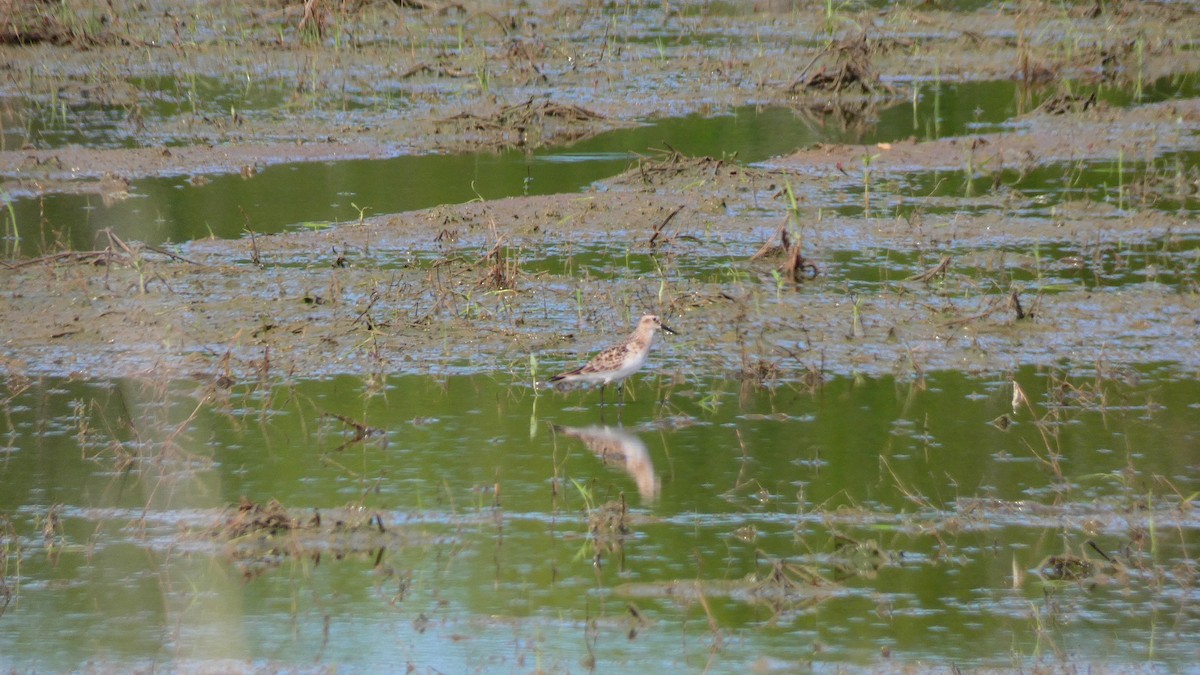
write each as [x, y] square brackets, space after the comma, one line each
[1061, 240]
[462, 288]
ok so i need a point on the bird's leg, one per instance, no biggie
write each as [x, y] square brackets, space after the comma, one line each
[602, 386]
[621, 394]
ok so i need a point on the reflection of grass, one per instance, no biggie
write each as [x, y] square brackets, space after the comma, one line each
[711, 401]
[10, 555]
[12, 234]
[585, 493]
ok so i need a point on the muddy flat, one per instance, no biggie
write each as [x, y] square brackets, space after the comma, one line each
[386, 294]
[280, 281]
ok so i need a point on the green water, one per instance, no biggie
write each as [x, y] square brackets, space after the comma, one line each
[1164, 184]
[487, 560]
[927, 507]
[1050, 267]
[291, 196]
[1173, 262]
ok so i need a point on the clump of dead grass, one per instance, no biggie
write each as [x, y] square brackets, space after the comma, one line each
[261, 536]
[531, 123]
[795, 267]
[848, 68]
[608, 525]
[48, 22]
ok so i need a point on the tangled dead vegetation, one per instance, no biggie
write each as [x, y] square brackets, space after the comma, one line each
[261, 536]
[664, 165]
[850, 71]
[251, 518]
[117, 253]
[530, 123]
[795, 266]
[45, 22]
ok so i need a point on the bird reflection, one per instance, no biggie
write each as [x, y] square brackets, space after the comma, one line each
[618, 447]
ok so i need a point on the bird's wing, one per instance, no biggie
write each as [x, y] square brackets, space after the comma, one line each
[596, 364]
[605, 360]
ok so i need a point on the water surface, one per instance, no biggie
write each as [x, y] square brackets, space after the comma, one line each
[926, 509]
[316, 194]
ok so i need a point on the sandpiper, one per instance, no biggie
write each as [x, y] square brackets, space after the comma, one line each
[619, 361]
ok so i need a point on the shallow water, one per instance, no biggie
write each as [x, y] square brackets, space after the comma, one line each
[316, 194]
[472, 522]
[916, 503]
[1173, 262]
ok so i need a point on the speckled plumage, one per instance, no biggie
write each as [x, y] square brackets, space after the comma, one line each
[619, 361]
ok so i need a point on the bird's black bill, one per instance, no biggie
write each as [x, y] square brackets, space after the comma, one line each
[664, 327]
